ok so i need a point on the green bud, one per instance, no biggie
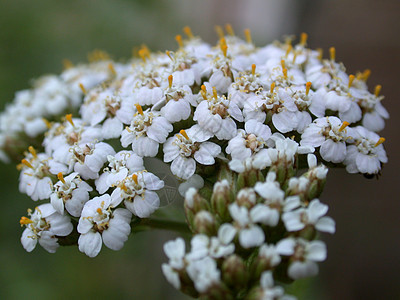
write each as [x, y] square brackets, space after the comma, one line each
[221, 198]
[234, 272]
[204, 222]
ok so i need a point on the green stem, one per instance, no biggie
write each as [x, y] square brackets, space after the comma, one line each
[146, 224]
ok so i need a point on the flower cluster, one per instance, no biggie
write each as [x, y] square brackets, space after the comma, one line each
[248, 132]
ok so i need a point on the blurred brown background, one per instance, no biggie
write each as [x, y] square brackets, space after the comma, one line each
[35, 36]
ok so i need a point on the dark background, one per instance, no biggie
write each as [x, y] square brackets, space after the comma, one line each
[35, 36]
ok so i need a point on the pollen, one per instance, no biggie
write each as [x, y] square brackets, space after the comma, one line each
[247, 34]
[283, 64]
[215, 94]
[351, 79]
[220, 31]
[308, 86]
[229, 29]
[84, 91]
[48, 123]
[170, 78]
[139, 108]
[272, 87]
[288, 50]
[112, 69]
[61, 177]
[332, 53]
[377, 90]
[67, 64]
[188, 32]
[169, 55]
[380, 141]
[134, 178]
[68, 117]
[27, 163]
[303, 39]
[99, 211]
[253, 69]
[224, 49]
[25, 221]
[285, 73]
[344, 125]
[178, 39]
[32, 151]
[184, 134]
[204, 91]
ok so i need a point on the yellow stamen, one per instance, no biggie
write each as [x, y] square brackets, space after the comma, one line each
[48, 124]
[288, 50]
[283, 64]
[332, 53]
[169, 55]
[229, 29]
[69, 119]
[303, 39]
[139, 109]
[134, 178]
[204, 91]
[253, 69]
[351, 79]
[215, 94]
[344, 125]
[123, 187]
[188, 32]
[247, 34]
[32, 151]
[320, 53]
[67, 64]
[178, 39]
[366, 74]
[84, 91]
[27, 163]
[98, 55]
[285, 73]
[170, 78]
[24, 221]
[308, 86]
[224, 49]
[377, 90]
[380, 141]
[112, 69]
[272, 87]
[184, 134]
[99, 211]
[61, 177]
[294, 57]
[142, 53]
[220, 31]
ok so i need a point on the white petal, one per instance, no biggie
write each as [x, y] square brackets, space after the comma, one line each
[90, 243]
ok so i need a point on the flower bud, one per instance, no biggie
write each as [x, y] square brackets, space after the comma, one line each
[234, 272]
[194, 203]
[246, 197]
[204, 222]
[221, 198]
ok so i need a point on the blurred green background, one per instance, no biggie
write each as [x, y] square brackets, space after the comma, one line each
[35, 36]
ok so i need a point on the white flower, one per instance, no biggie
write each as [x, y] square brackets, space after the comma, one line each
[367, 153]
[99, 222]
[313, 215]
[187, 147]
[204, 273]
[72, 192]
[36, 170]
[120, 165]
[217, 116]
[89, 158]
[147, 130]
[137, 192]
[248, 141]
[330, 135]
[271, 292]
[304, 256]
[43, 226]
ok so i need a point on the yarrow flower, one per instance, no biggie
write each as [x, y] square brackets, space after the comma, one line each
[244, 134]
